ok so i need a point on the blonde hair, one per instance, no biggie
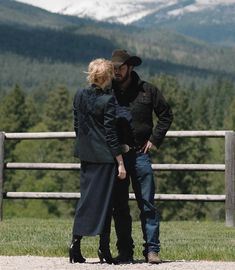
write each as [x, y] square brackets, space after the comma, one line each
[99, 68]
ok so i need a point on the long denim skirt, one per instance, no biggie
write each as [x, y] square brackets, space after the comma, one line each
[96, 186]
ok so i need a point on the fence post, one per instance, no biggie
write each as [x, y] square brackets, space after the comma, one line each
[230, 178]
[2, 138]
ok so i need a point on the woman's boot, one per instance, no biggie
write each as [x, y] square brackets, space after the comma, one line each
[75, 255]
[104, 251]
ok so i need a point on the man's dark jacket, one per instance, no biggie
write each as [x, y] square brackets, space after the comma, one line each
[95, 126]
[142, 99]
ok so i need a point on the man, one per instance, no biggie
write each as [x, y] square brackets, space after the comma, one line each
[137, 100]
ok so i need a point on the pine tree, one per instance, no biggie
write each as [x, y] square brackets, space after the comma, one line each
[180, 150]
[14, 116]
[58, 110]
[13, 111]
[229, 120]
[57, 116]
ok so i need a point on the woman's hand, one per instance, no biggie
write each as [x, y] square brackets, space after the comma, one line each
[121, 170]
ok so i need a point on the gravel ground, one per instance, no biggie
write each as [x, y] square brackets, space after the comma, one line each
[58, 263]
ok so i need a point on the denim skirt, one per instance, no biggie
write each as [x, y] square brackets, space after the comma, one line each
[96, 186]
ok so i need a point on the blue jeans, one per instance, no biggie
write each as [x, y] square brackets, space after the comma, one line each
[138, 166]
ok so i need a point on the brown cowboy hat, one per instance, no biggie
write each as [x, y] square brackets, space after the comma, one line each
[120, 57]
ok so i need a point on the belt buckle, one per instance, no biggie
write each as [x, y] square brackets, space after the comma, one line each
[138, 149]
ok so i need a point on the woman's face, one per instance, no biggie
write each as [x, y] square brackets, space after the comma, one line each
[107, 82]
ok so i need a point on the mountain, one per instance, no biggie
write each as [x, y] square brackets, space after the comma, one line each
[209, 20]
[18, 13]
[39, 46]
[129, 11]
[214, 25]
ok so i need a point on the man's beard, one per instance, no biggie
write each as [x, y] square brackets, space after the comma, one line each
[122, 80]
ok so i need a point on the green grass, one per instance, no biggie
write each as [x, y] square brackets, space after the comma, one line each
[181, 240]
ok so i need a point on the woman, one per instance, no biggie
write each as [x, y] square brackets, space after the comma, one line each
[98, 148]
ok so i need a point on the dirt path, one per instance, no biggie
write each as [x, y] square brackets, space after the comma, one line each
[58, 263]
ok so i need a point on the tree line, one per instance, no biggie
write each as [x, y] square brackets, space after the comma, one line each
[31, 54]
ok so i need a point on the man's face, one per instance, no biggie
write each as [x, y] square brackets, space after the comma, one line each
[121, 73]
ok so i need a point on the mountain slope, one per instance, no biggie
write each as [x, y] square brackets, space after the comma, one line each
[209, 20]
[40, 46]
[128, 11]
[19, 13]
[153, 44]
[216, 25]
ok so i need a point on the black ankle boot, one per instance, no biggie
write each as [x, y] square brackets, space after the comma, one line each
[104, 253]
[75, 255]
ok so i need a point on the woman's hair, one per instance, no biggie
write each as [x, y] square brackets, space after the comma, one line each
[99, 68]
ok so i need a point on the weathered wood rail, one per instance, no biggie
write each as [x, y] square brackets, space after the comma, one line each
[228, 168]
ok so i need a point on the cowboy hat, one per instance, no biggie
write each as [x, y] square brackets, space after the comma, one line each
[120, 57]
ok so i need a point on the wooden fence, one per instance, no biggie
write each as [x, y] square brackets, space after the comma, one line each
[228, 168]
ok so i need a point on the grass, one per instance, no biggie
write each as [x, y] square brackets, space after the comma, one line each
[180, 240]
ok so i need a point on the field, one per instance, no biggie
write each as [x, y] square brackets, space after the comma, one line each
[181, 240]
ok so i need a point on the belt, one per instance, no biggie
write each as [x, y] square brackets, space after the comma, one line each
[125, 148]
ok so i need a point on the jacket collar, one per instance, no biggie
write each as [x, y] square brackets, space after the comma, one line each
[98, 89]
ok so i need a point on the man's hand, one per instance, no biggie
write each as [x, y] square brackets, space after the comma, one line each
[147, 147]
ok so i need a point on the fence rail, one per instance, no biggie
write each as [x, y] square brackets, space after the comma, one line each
[228, 168]
[76, 166]
[71, 196]
[70, 135]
